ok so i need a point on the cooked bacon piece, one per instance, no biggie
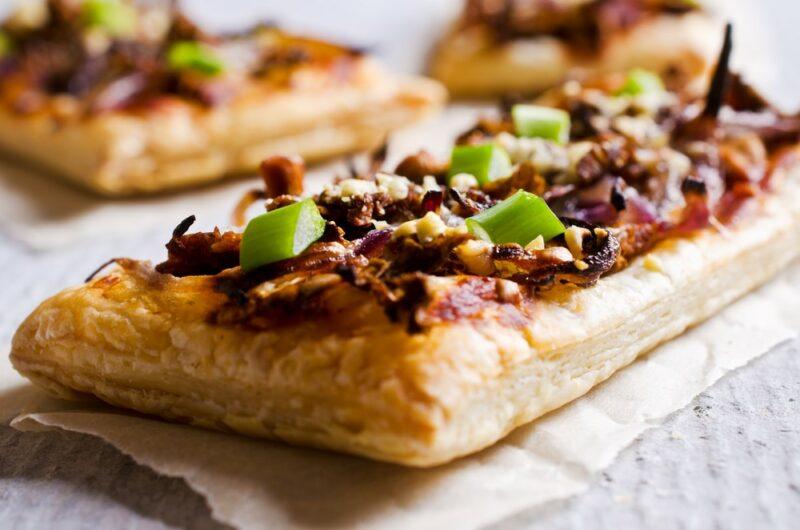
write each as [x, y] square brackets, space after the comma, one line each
[282, 175]
[635, 239]
[416, 167]
[525, 177]
[201, 253]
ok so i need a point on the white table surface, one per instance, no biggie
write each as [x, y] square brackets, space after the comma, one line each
[730, 460]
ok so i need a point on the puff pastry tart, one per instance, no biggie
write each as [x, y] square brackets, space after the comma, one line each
[419, 315]
[500, 46]
[126, 99]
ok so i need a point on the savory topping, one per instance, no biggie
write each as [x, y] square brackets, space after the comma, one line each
[583, 24]
[484, 162]
[519, 219]
[91, 56]
[510, 216]
[280, 234]
[534, 121]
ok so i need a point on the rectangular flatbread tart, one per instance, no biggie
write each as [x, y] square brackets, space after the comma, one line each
[125, 98]
[419, 315]
[500, 46]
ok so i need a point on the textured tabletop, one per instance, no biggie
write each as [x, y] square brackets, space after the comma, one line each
[729, 460]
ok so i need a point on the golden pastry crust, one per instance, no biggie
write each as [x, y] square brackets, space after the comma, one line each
[178, 144]
[470, 64]
[359, 383]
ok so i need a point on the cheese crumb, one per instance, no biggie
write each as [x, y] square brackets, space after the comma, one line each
[409, 228]
[477, 256]
[393, 186]
[429, 183]
[430, 227]
[356, 187]
[463, 181]
[536, 244]
[574, 237]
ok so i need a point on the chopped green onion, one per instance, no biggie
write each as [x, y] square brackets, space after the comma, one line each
[280, 234]
[519, 219]
[485, 162]
[196, 56]
[534, 121]
[640, 81]
[115, 16]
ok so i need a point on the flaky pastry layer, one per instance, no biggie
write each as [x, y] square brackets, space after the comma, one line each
[180, 144]
[359, 383]
[471, 65]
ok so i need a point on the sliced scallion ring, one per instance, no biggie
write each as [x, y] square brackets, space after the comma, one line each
[519, 219]
[114, 16]
[640, 81]
[534, 121]
[485, 162]
[194, 56]
[280, 234]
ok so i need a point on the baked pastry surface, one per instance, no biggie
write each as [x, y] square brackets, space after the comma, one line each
[472, 62]
[181, 144]
[125, 97]
[359, 383]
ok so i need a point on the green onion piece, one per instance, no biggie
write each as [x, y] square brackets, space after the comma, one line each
[280, 234]
[519, 219]
[485, 162]
[533, 121]
[196, 56]
[115, 16]
[640, 81]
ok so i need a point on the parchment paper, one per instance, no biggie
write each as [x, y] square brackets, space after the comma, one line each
[255, 484]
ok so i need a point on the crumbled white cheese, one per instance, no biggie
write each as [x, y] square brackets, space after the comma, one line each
[380, 225]
[679, 164]
[463, 181]
[641, 129]
[409, 228]
[356, 187]
[430, 227]
[546, 156]
[574, 237]
[651, 102]
[536, 244]
[96, 41]
[476, 255]
[393, 186]
[154, 23]
[608, 106]
[429, 183]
